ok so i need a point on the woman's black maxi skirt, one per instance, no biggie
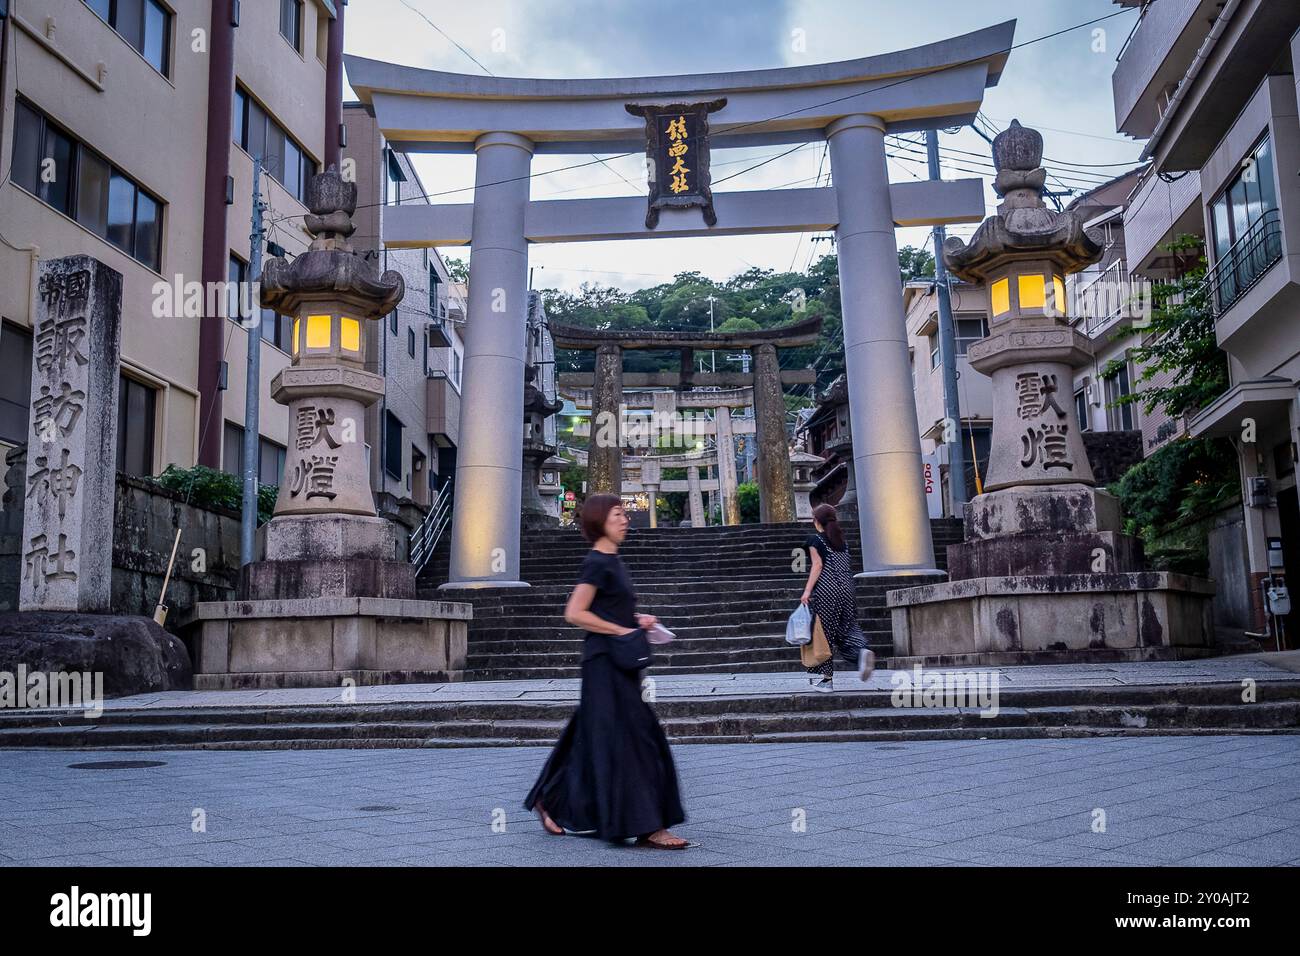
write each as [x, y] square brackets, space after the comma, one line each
[611, 772]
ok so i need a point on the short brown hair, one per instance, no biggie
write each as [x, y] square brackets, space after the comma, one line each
[595, 512]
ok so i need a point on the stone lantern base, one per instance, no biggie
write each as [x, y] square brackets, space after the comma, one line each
[1046, 575]
[332, 599]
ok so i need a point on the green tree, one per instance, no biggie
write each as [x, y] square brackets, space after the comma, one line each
[458, 269]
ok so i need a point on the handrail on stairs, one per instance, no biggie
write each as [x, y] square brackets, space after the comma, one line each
[425, 538]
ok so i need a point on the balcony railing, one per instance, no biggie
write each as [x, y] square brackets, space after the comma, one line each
[1242, 266]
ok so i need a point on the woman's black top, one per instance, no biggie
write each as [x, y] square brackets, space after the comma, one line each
[615, 601]
[818, 543]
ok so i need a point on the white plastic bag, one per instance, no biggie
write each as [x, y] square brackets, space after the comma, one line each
[798, 630]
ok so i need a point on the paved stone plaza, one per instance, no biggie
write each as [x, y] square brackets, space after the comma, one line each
[1212, 800]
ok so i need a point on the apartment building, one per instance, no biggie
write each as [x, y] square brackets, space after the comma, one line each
[1102, 299]
[419, 349]
[970, 313]
[1211, 86]
[129, 132]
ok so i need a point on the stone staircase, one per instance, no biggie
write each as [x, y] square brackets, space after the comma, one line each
[1141, 710]
[724, 591]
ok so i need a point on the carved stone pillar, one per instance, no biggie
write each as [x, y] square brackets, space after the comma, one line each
[775, 488]
[605, 451]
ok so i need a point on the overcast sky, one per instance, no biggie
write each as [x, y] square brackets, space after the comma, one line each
[1060, 85]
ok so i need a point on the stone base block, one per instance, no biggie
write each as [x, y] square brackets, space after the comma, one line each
[1047, 509]
[1081, 616]
[319, 642]
[134, 654]
[313, 537]
[1019, 554]
[328, 578]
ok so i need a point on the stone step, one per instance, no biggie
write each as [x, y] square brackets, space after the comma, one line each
[803, 717]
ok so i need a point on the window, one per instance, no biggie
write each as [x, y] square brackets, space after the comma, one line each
[85, 186]
[291, 22]
[392, 321]
[15, 383]
[1081, 410]
[270, 456]
[1118, 417]
[283, 157]
[934, 349]
[425, 341]
[276, 329]
[136, 408]
[968, 331]
[433, 290]
[392, 445]
[410, 342]
[1246, 226]
[455, 368]
[145, 24]
[395, 177]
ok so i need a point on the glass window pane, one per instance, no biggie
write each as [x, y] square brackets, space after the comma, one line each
[101, 7]
[1222, 233]
[256, 144]
[1237, 204]
[274, 158]
[1267, 180]
[239, 130]
[121, 212]
[129, 21]
[15, 382]
[56, 178]
[148, 225]
[135, 422]
[292, 180]
[308, 171]
[232, 449]
[156, 36]
[27, 147]
[93, 174]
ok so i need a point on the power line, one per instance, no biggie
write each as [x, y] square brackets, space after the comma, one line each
[731, 130]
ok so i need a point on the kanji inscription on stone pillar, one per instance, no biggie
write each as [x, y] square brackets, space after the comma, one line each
[67, 538]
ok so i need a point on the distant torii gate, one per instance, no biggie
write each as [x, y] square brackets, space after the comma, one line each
[851, 105]
[776, 498]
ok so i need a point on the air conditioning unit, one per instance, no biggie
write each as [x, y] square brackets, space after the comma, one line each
[941, 455]
[1094, 394]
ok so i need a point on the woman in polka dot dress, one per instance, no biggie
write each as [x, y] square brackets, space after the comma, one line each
[830, 596]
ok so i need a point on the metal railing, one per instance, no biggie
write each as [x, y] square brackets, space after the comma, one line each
[1241, 266]
[424, 539]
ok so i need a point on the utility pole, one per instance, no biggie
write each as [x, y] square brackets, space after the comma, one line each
[947, 354]
[253, 383]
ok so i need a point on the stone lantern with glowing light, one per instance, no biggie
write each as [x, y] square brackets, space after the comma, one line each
[1045, 572]
[331, 597]
[330, 292]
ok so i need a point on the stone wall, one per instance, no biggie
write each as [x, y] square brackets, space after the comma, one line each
[145, 519]
[1112, 453]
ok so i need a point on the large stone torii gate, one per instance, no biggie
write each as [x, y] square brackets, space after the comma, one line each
[851, 105]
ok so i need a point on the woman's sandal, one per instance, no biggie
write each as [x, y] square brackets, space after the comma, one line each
[645, 841]
[547, 823]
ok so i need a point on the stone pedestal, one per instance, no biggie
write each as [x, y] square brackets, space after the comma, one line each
[321, 642]
[1045, 573]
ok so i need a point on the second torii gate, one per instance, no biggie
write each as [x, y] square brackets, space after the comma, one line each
[850, 105]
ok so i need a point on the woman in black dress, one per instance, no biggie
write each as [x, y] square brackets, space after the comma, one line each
[611, 773]
[831, 598]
